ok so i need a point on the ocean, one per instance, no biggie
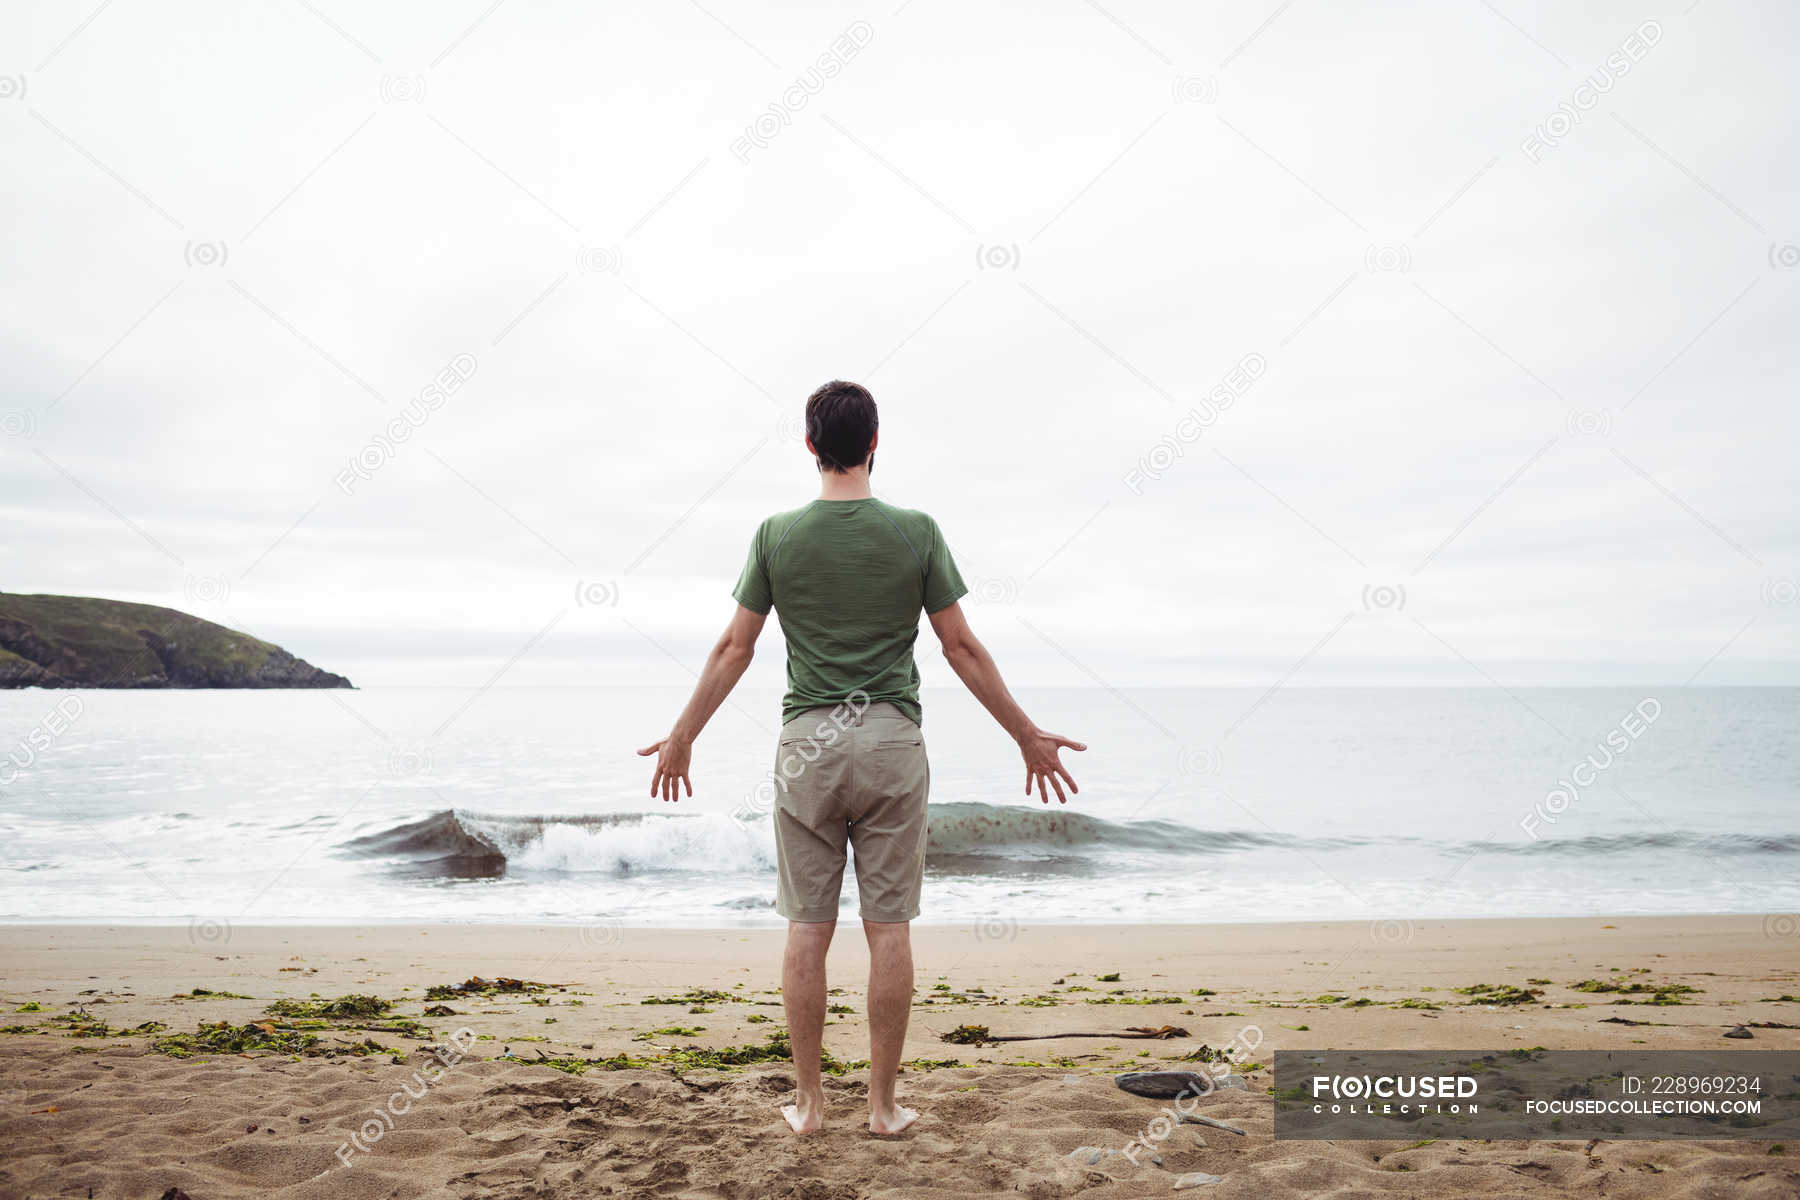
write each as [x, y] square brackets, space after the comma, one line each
[215, 808]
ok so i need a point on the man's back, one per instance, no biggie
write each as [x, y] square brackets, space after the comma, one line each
[849, 579]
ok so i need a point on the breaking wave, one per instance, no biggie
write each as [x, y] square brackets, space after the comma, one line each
[963, 839]
[471, 845]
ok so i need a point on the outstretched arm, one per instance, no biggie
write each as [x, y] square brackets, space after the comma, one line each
[976, 668]
[724, 667]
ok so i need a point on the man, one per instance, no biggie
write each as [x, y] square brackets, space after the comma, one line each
[850, 575]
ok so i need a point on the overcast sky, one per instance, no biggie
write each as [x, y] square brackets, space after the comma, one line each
[1507, 361]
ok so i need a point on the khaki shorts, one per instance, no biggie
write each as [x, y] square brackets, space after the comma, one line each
[861, 778]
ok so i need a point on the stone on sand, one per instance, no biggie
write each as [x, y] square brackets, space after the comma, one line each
[1164, 1085]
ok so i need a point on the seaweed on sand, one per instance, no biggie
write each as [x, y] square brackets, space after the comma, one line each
[775, 1048]
[225, 1038]
[81, 1023]
[694, 996]
[1659, 993]
[1115, 998]
[354, 1006]
[1498, 993]
[485, 988]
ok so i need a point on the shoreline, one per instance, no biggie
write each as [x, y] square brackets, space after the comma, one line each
[1738, 963]
[777, 925]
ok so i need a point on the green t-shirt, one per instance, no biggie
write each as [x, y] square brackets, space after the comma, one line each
[849, 578]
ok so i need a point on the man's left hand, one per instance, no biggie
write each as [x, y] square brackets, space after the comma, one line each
[672, 757]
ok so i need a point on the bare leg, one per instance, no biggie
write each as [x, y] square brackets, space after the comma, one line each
[890, 1006]
[803, 996]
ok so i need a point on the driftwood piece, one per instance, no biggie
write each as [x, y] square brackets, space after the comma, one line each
[976, 1035]
[1188, 1118]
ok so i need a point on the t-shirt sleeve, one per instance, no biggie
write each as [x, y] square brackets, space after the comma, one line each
[752, 590]
[944, 584]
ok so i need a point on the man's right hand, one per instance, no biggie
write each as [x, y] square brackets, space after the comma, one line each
[1043, 763]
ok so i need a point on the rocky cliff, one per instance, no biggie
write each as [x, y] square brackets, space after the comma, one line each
[80, 641]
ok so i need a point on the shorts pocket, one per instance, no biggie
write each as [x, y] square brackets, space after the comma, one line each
[898, 743]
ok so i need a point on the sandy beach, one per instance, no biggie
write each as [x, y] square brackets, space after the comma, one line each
[666, 1083]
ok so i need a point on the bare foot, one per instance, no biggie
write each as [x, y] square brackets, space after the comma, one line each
[804, 1118]
[893, 1121]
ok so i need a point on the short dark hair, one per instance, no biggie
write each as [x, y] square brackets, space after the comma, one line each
[840, 423]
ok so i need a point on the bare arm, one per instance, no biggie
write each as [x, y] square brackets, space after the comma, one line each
[724, 667]
[976, 668]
